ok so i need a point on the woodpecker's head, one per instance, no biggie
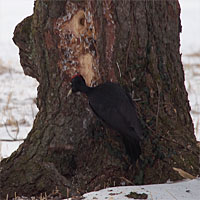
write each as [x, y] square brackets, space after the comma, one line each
[78, 84]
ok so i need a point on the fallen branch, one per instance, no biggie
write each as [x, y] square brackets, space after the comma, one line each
[11, 140]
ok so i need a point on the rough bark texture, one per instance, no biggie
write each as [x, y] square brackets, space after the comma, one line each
[135, 43]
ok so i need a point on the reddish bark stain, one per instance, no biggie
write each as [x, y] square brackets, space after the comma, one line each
[110, 36]
[48, 40]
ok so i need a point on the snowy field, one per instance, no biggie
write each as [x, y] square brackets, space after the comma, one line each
[184, 190]
[18, 93]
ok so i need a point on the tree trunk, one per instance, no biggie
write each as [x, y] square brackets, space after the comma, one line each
[135, 43]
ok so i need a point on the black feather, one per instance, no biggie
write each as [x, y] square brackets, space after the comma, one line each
[112, 105]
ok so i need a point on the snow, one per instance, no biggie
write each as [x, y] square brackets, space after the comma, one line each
[18, 93]
[17, 107]
[190, 17]
[190, 43]
[184, 190]
[11, 13]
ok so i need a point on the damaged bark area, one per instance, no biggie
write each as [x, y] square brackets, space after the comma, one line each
[134, 43]
[77, 42]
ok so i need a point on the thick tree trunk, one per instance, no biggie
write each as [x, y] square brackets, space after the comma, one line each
[135, 43]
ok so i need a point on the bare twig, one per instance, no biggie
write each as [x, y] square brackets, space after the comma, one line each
[8, 132]
[171, 194]
[157, 114]
[13, 140]
[125, 179]
[129, 44]
[67, 192]
[119, 70]
[32, 112]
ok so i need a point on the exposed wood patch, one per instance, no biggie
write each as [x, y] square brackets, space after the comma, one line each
[77, 44]
[86, 70]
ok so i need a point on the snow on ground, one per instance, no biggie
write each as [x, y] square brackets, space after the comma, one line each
[17, 91]
[17, 108]
[190, 44]
[184, 190]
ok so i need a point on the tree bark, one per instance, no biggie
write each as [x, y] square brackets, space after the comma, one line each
[134, 43]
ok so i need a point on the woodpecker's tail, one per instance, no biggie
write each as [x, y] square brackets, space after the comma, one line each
[132, 148]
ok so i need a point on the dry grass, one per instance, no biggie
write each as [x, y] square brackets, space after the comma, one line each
[11, 120]
[194, 54]
[55, 194]
[4, 69]
[10, 123]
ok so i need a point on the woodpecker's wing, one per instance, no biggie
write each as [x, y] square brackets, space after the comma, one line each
[111, 104]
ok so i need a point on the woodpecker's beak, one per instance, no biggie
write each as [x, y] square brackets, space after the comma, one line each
[69, 93]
